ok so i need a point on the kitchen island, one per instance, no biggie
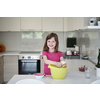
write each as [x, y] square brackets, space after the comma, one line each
[73, 75]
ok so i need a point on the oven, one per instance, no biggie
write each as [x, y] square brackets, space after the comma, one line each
[28, 63]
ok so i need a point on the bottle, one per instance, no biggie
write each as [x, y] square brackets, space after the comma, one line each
[98, 63]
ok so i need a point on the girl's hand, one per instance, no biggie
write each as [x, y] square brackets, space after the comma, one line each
[59, 64]
[64, 65]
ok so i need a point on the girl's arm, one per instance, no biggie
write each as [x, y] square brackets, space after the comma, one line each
[62, 59]
[58, 64]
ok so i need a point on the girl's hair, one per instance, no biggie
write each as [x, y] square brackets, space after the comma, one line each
[49, 36]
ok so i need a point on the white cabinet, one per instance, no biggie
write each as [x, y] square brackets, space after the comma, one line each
[10, 67]
[9, 23]
[31, 23]
[52, 24]
[1, 71]
[72, 23]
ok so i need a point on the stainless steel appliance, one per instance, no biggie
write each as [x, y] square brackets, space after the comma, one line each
[29, 63]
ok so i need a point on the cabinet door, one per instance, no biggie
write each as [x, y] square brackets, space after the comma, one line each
[1, 70]
[31, 24]
[65, 23]
[72, 23]
[52, 24]
[9, 23]
[10, 67]
[1, 65]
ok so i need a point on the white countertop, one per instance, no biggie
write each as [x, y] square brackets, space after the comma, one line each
[73, 75]
[10, 53]
[15, 53]
[69, 79]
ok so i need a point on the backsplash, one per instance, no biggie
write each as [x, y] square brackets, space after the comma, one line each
[24, 41]
[31, 41]
[91, 40]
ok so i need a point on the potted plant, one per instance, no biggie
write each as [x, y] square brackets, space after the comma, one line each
[98, 65]
[2, 47]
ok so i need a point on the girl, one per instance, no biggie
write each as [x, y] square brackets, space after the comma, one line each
[50, 53]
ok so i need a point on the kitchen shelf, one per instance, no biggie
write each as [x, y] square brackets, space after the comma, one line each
[73, 54]
[77, 56]
[92, 27]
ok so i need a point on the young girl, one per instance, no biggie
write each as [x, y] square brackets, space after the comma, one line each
[50, 53]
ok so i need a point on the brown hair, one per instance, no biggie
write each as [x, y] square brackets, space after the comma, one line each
[49, 36]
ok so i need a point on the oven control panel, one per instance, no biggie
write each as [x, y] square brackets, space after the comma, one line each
[29, 57]
[22, 57]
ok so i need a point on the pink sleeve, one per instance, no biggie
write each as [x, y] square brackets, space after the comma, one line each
[44, 53]
[60, 54]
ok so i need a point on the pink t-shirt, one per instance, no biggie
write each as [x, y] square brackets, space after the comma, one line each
[53, 57]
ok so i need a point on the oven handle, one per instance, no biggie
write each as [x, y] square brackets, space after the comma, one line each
[29, 60]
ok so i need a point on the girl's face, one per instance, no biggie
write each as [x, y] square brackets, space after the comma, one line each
[51, 43]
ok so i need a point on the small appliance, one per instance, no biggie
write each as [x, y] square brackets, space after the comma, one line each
[68, 52]
[93, 21]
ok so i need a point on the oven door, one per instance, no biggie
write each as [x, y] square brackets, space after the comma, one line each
[29, 66]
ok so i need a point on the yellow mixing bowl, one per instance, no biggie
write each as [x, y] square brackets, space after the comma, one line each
[58, 73]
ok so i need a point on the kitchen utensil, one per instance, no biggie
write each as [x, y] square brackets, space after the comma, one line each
[68, 52]
[39, 75]
[58, 73]
[76, 48]
[29, 81]
[88, 73]
[75, 52]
